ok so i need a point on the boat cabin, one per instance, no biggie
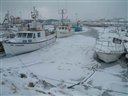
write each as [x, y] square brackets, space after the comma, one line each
[28, 37]
[64, 28]
[109, 43]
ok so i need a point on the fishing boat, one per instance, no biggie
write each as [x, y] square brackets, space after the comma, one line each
[125, 39]
[77, 27]
[6, 31]
[109, 46]
[64, 29]
[7, 27]
[29, 40]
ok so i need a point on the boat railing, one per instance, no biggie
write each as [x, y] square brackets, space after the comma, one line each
[108, 46]
[48, 32]
[107, 43]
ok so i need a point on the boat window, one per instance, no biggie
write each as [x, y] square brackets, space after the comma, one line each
[62, 27]
[38, 34]
[125, 41]
[24, 35]
[34, 36]
[29, 35]
[116, 41]
[65, 28]
[24, 41]
[59, 27]
[29, 41]
[19, 34]
[12, 35]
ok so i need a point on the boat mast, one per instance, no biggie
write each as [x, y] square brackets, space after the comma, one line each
[62, 12]
[34, 15]
[6, 21]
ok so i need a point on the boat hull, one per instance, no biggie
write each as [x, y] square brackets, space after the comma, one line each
[108, 57]
[14, 48]
[64, 34]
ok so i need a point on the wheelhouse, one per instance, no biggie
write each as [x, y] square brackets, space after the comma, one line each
[28, 35]
[63, 27]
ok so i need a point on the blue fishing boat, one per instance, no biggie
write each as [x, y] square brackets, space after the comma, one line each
[77, 27]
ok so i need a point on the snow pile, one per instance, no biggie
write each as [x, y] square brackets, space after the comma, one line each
[85, 29]
[15, 82]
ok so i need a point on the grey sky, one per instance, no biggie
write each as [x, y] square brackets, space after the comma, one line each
[85, 9]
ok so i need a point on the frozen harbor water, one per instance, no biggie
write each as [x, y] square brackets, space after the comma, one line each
[62, 64]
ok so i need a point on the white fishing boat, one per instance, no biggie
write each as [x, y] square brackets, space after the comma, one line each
[125, 39]
[109, 46]
[7, 28]
[6, 31]
[29, 40]
[64, 29]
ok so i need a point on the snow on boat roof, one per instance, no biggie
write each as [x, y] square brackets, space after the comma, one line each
[105, 42]
[26, 31]
[109, 33]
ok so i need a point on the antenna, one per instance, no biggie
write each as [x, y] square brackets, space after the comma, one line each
[6, 17]
[62, 12]
[6, 21]
[76, 14]
[34, 13]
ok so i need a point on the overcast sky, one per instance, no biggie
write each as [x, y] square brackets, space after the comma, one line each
[81, 9]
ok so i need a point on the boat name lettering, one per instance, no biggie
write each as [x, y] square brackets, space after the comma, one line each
[63, 32]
